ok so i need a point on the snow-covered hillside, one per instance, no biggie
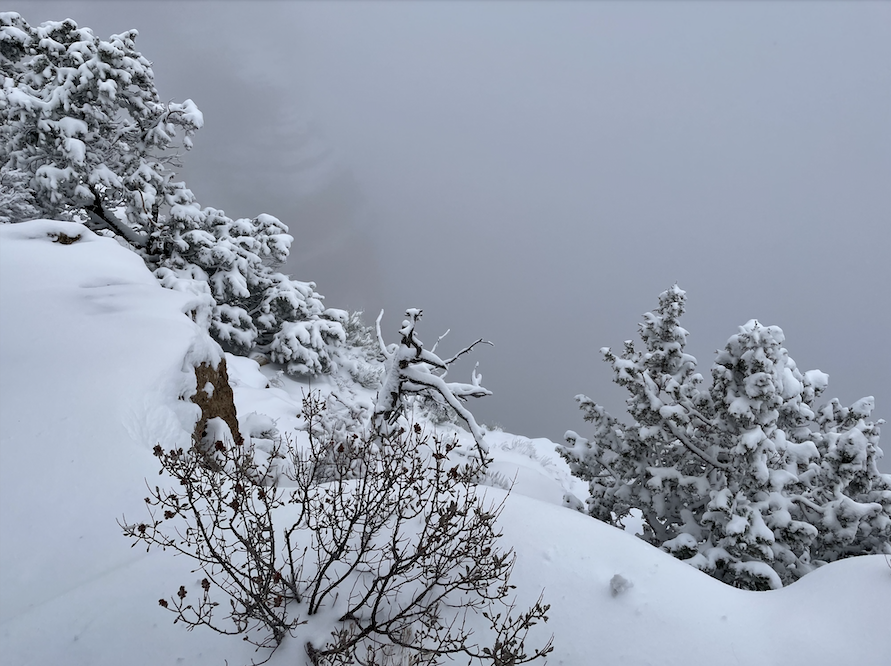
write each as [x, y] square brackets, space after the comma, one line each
[93, 355]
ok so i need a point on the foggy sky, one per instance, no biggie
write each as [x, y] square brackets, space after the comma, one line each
[537, 173]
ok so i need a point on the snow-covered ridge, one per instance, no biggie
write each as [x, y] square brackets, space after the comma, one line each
[94, 356]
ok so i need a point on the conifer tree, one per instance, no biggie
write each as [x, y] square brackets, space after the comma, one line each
[84, 136]
[748, 480]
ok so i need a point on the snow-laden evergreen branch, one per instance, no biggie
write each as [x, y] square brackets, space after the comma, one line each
[85, 136]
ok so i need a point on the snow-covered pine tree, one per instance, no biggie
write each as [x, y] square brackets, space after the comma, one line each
[85, 136]
[83, 118]
[748, 481]
[653, 466]
[762, 405]
[855, 497]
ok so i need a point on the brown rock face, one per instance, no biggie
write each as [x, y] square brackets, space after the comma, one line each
[219, 402]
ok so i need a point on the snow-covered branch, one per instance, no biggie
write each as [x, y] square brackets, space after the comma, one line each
[409, 371]
[682, 438]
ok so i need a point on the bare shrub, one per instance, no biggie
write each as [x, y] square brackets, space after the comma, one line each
[398, 565]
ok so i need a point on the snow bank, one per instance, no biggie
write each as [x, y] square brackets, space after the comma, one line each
[675, 615]
[94, 355]
[92, 352]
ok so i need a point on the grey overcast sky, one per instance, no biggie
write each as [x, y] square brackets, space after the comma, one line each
[537, 173]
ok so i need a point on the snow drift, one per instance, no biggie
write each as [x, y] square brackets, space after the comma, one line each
[95, 355]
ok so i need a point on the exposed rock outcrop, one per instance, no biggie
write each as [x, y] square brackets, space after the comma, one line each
[214, 397]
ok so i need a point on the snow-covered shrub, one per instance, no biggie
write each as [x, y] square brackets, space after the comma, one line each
[412, 370]
[84, 136]
[412, 388]
[748, 480]
[394, 566]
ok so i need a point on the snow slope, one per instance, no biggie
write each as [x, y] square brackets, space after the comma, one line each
[93, 356]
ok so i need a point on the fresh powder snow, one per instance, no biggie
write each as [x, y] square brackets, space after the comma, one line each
[95, 360]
